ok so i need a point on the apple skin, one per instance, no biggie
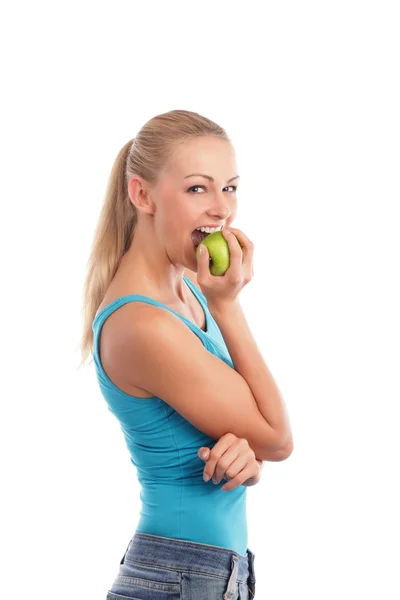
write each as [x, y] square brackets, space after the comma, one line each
[218, 249]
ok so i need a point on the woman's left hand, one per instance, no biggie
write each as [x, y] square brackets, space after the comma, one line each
[231, 458]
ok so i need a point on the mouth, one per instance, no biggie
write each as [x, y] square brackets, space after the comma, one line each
[198, 236]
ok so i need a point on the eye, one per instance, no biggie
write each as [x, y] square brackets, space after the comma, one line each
[202, 186]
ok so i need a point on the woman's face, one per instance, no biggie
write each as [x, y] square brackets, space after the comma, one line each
[186, 201]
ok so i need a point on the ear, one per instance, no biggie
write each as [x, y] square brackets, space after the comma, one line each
[139, 196]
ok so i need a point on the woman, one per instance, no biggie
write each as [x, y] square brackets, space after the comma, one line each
[176, 394]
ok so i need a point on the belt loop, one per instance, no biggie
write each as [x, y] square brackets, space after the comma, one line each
[231, 589]
[251, 582]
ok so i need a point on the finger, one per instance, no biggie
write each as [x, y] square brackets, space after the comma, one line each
[203, 453]
[203, 263]
[245, 242]
[235, 458]
[224, 442]
[232, 240]
[245, 474]
[235, 251]
[209, 468]
[232, 461]
[247, 251]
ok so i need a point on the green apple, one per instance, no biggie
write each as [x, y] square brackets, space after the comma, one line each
[218, 249]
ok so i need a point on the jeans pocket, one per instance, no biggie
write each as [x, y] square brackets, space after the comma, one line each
[149, 595]
[197, 586]
[136, 581]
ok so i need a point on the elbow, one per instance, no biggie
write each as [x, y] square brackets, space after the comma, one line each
[287, 450]
[280, 454]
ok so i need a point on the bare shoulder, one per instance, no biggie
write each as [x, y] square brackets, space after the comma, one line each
[113, 336]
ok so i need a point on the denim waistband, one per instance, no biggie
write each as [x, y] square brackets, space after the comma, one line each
[184, 555]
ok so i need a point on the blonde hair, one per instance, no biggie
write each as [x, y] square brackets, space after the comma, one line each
[146, 156]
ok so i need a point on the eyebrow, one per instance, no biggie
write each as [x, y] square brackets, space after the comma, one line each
[209, 176]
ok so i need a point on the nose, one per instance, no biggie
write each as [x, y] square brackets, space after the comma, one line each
[221, 208]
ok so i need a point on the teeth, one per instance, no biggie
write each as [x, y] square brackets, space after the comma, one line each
[209, 229]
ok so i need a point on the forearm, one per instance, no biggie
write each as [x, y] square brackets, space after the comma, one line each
[248, 361]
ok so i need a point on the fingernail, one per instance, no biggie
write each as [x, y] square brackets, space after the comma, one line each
[203, 454]
[201, 249]
[206, 477]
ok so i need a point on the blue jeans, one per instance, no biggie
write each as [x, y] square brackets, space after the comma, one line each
[160, 568]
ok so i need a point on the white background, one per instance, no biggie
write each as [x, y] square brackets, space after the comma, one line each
[309, 94]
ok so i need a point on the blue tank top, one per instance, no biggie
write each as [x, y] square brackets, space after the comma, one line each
[163, 446]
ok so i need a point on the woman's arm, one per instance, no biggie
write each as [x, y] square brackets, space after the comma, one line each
[272, 406]
[249, 363]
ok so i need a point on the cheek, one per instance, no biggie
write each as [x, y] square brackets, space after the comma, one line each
[170, 214]
[176, 208]
[232, 216]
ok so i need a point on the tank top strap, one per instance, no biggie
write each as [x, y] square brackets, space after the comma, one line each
[103, 314]
[198, 293]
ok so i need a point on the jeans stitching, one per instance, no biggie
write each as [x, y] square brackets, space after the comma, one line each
[167, 539]
[166, 587]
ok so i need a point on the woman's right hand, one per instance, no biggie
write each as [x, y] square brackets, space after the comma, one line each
[223, 289]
